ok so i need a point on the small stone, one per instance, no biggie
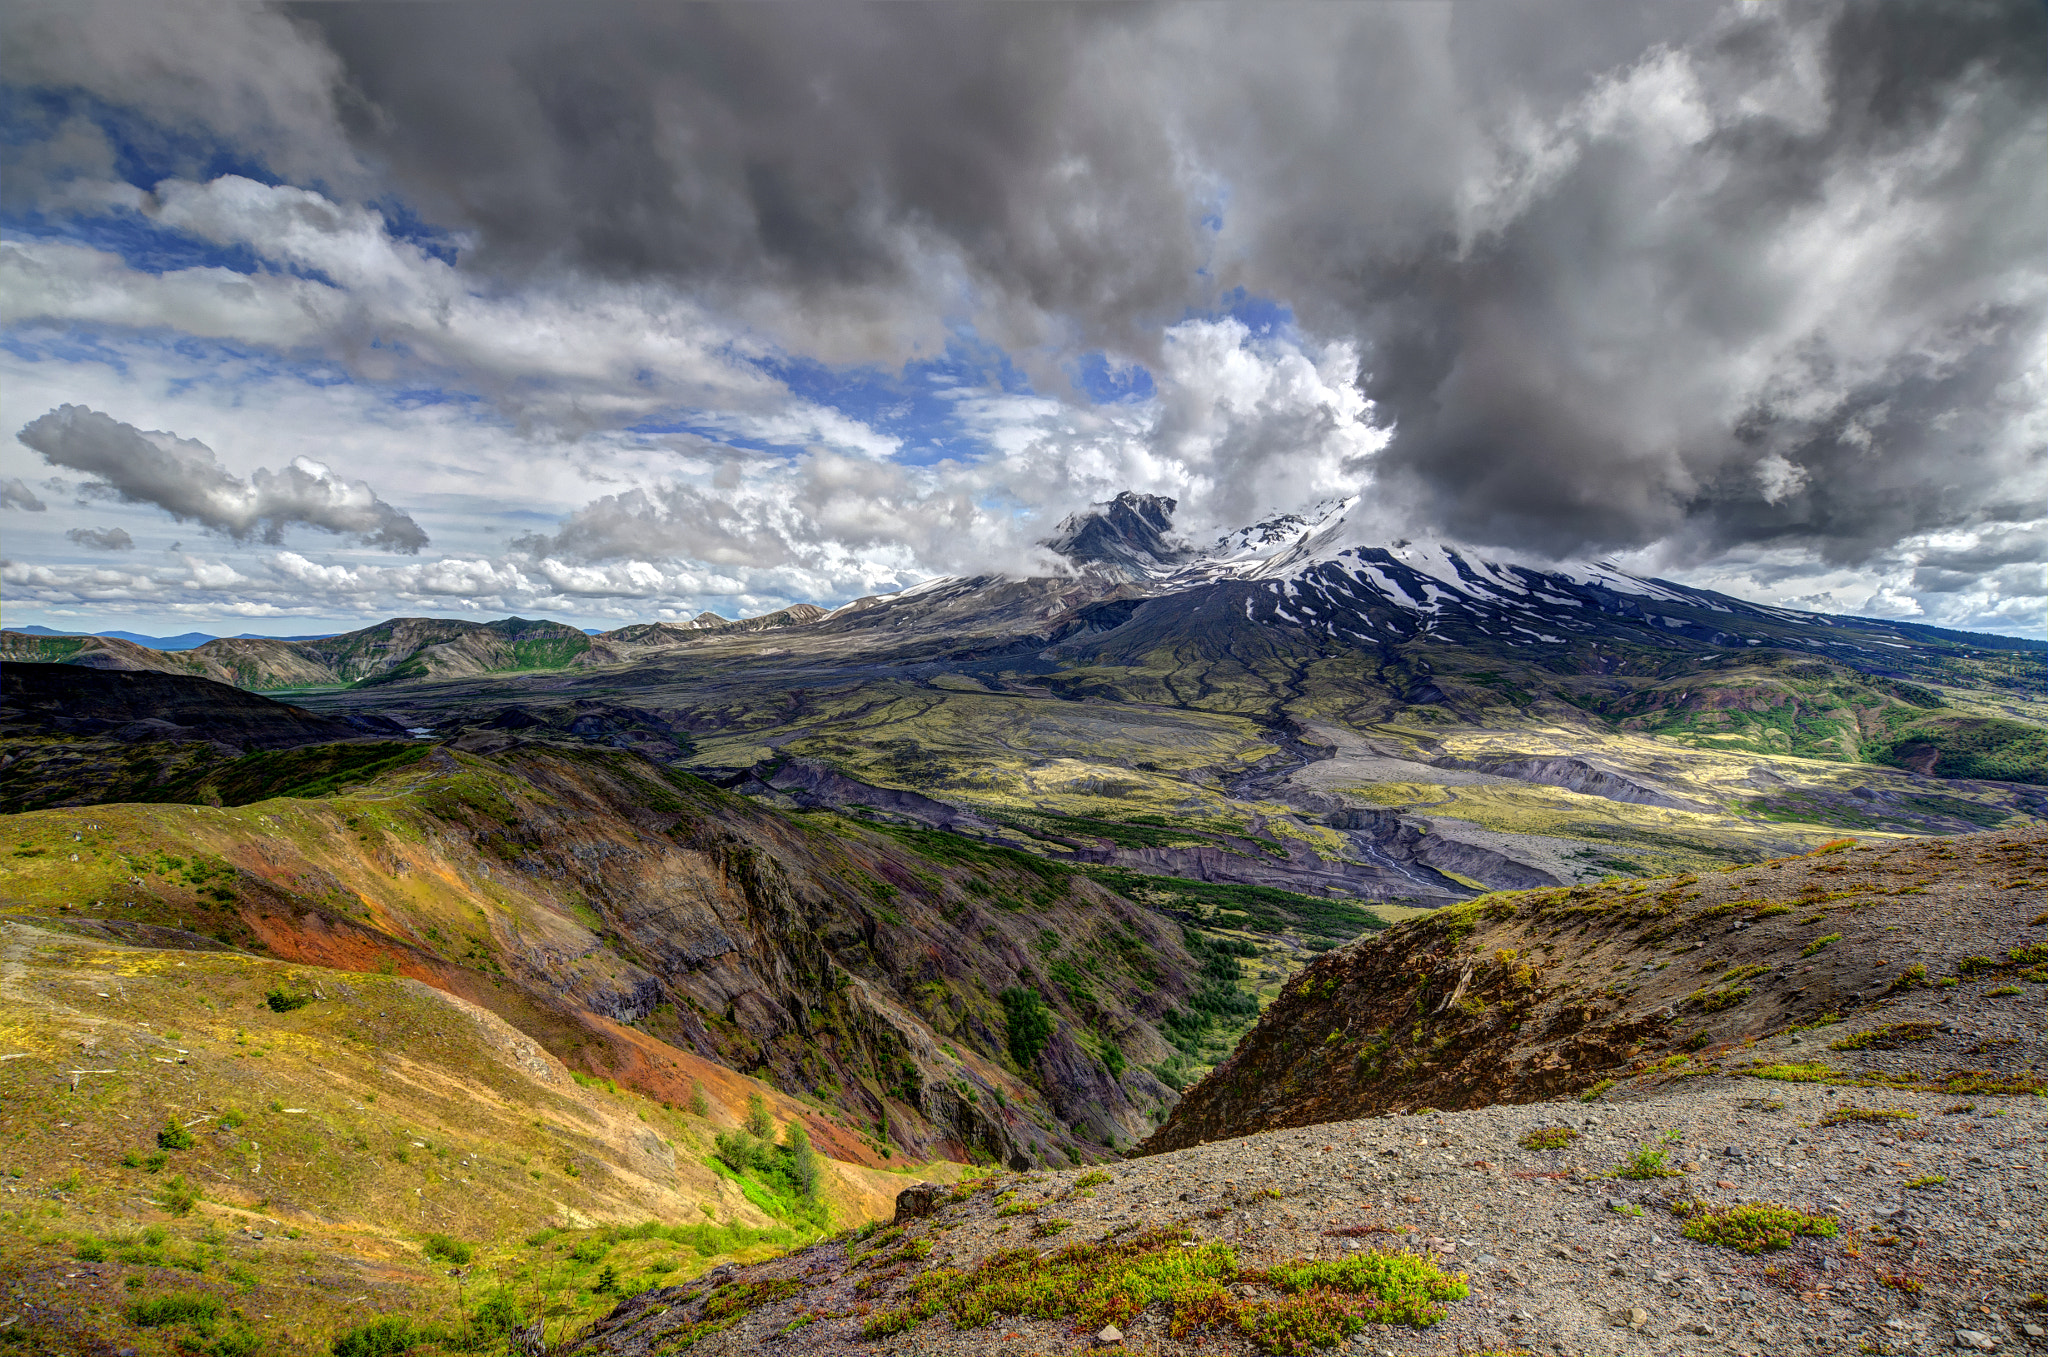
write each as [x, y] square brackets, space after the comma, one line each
[2034, 1331]
[1110, 1334]
[1975, 1341]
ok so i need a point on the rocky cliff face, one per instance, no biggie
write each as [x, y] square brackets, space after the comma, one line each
[1522, 996]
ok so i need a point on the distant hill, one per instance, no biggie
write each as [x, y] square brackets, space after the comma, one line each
[394, 651]
[190, 640]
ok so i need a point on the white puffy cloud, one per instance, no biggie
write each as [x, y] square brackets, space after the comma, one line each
[182, 477]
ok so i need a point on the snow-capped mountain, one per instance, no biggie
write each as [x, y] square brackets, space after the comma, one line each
[1317, 571]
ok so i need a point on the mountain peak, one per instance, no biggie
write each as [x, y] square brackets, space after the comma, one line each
[1123, 538]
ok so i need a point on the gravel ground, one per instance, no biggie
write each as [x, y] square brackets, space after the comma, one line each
[1554, 1266]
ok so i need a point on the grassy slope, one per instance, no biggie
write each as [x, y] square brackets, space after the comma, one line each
[380, 1113]
[530, 890]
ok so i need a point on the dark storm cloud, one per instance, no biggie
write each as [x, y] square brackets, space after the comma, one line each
[182, 477]
[15, 494]
[102, 539]
[1783, 284]
[835, 157]
[1618, 273]
[1579, 243]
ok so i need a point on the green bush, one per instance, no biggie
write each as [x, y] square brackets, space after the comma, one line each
[700, 1105]
[1549, 1138]
[446, 1250]
[1752, 1227]
[1645, 1164]
[282, 1001]
[173, 1137]
[386, 1336]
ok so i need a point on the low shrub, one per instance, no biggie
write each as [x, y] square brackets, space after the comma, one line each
[1751, 1227]
[174, 1307]
[1548, 1138]
[443, 1249]
[1646, 1164]
[178, 1196]
[1846, 1114]
[1887, 1038]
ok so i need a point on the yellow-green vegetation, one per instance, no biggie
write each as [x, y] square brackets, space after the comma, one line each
[1015, 751]
[1548, 1138]
[1889, 1037]
[1845, 1115]
[213, 1144]
[1646, 1164]
[1314, 1305]
[1750, 1227]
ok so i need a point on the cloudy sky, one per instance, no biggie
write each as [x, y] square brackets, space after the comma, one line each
[318, 315]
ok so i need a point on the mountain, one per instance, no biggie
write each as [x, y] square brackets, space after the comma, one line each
[74, 736]
[1125, 538]
[993, 869]
[1397, 723]
[187, 641]
[190, 640]
[397, 651]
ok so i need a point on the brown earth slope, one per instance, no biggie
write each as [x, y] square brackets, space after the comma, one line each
[1520, 996]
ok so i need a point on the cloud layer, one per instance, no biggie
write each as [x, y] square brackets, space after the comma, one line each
[1756, 294]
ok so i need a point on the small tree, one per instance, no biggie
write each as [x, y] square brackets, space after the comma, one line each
[759, 1124]
[1030, 1024]
[803, 1160]
[178, 1196]
[699, 1104]
[735, 1149]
